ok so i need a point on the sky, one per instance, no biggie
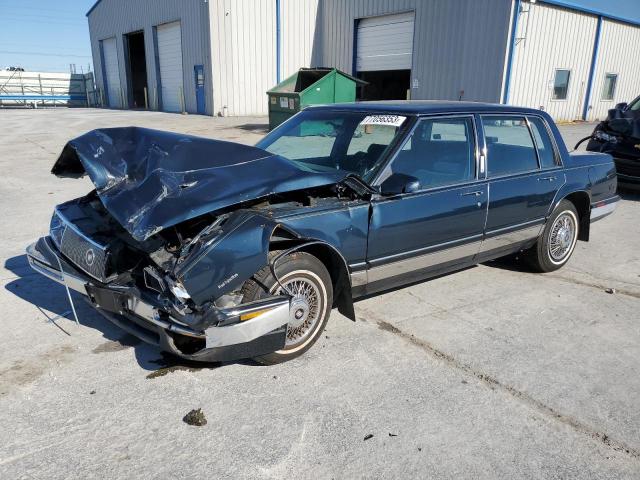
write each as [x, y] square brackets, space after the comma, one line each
[45, 35]
[48, 35]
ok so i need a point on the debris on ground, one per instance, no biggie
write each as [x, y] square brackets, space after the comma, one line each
[195, 417]
[610, 290]
[393, 434]
[92, 392]
[368, 436]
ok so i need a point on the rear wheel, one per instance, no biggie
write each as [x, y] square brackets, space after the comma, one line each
[307, 280]
[558, 240]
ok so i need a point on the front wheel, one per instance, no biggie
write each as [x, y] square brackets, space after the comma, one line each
[307, 280]
[558, 239]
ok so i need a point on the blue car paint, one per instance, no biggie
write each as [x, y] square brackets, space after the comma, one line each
[441, 216]
[344, 227]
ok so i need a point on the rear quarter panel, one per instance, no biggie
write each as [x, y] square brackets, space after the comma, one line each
[592, 172]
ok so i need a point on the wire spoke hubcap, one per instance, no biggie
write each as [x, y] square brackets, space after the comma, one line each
[562, 237]
[306, 308]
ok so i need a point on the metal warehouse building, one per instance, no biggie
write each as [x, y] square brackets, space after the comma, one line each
[219, 57]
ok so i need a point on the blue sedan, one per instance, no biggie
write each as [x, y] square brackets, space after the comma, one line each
[216, 251]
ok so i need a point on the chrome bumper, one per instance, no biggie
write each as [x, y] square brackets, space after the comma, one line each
[601, 209]
[40, 255]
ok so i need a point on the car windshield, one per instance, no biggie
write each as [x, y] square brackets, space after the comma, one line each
[635, 105]
[322, 141]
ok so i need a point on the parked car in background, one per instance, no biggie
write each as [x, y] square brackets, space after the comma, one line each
[619, 136]
[217, 251]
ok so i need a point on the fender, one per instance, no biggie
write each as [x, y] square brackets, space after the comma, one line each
[336, 265]
[242, 248]
[239, 251]
[577, 183]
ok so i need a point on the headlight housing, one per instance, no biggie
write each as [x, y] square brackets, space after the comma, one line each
[605, 137]
[56, 229]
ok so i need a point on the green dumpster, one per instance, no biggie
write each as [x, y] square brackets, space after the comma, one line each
[310, 86]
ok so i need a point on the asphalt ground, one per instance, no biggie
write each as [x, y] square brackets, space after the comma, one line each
[492, 372]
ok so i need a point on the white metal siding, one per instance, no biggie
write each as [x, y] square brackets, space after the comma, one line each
[299, 35]
[111, 71]
[459, 46]
[117, 17]
[385, 42]
[619, 53]
[550, 38]
[170, 59]
[243, 50]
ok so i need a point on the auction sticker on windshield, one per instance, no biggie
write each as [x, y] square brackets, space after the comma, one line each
[391, 120]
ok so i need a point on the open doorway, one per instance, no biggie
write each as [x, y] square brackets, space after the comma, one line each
[385, 85]
[137, 69]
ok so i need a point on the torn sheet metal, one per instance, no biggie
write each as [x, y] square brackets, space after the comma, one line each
[150, 180]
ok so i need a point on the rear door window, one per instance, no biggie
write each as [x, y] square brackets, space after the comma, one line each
[543, 143]
[510, 148]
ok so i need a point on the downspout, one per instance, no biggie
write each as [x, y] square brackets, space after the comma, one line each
[278, 41]
[512, 51]
[592, 69]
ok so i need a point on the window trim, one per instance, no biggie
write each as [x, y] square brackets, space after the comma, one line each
[384, 172]
[557, 158]
[615, 87]
[486, 153]
[555, 73]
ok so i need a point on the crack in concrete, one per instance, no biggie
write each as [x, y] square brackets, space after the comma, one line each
[621, 291]
[577, 425]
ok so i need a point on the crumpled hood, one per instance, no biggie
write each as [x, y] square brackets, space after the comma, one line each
[632, 118]
[150, 180]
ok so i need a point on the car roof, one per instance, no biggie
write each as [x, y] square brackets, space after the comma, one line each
[418, 107]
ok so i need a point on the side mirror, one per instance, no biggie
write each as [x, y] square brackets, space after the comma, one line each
[621, 106]
[399, 183]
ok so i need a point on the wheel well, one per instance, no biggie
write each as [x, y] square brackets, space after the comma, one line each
[582, 202]
[334, 263]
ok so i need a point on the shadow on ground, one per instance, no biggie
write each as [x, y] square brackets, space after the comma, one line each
[51, 299]
[252, 127]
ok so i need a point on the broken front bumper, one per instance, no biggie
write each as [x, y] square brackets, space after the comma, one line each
[137, 313]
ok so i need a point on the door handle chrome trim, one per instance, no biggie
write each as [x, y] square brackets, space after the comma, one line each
[550, 179]
[477, 193]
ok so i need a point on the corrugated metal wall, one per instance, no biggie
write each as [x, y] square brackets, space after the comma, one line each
[619, 53]
[458, 45]
[550, 38]
[243, 50]
[243, 46]
[300, 35]
[116, 18]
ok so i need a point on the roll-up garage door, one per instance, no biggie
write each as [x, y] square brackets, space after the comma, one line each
[170, 58]
[385, 43]
[111, 72]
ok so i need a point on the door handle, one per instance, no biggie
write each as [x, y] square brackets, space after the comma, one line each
[549, 179]
[475, 193]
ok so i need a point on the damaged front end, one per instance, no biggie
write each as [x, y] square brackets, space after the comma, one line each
[164, 244]
[153, 289]
[619, 136]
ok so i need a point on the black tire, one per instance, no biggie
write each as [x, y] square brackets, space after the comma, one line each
[557, 241]
[304, 271]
